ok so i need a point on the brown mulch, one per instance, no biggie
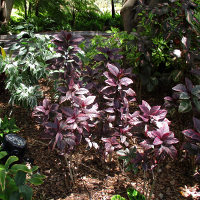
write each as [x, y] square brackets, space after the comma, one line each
[94, 179]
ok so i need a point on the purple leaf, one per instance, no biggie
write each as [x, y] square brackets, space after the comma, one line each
[196, 71]
[82, 91]
[168, 98]
[40, 109]
[196, 124]
[126, 81]
[70, 141]
[154, 110]
[130, 92]
[46, 103]
[188, 84]
[54, 107]
[123, 138]
[192, 134]
[62, 89]
[82, 117]
[78, 101]
[145, 107]
[99, 57]
[89, 100]
[179, 88]
[108, 90]
[113, 69]
[63, 99]
[67, 111]
[58, 137]
[109, 110]
[157, 141]
[146, 145]
[50, 125]
[110, 82]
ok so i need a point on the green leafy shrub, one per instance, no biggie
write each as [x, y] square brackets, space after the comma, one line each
[7, 126]
[16, 178]
[25, 70]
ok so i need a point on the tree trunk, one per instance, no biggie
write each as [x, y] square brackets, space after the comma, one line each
[113, 8]
[25, 9]
[29, 9]
[37, 8]
[5, 10]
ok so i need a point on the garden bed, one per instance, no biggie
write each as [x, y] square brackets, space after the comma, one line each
[94, 179]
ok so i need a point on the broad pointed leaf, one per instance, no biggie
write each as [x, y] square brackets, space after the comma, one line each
[89, 100]
[2, 178]
[185, 106]
[179, 88]
[113, 69]
[196, 124]
[10, 160]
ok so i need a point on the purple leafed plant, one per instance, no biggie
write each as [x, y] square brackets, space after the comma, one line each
[93, 105]
[193, 140]
[152, 114]
[162, 142]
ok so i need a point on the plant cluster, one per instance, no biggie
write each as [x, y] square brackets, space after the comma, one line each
[16, 178]
[24, 70]
[95, 106]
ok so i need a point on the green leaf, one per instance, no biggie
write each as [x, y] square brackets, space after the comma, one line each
[34, 168]
[20, 178]
[185, 106]
[2, 178]
[184, 95]
[14, 196]
[11, 160]
[3, 154]
[117, 197]
[26, 192]
[133, 194]
[36, 181]
[197, 103]
[2, 196]
[196, 91]
[21, 167]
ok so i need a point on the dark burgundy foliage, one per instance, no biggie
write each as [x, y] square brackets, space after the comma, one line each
[152, 114]
[193, 139]
[94, 106]
[161, 141]
[111, 54]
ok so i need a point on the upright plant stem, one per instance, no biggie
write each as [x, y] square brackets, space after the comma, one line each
[153, 184]
[144, 186]
[70, 169]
